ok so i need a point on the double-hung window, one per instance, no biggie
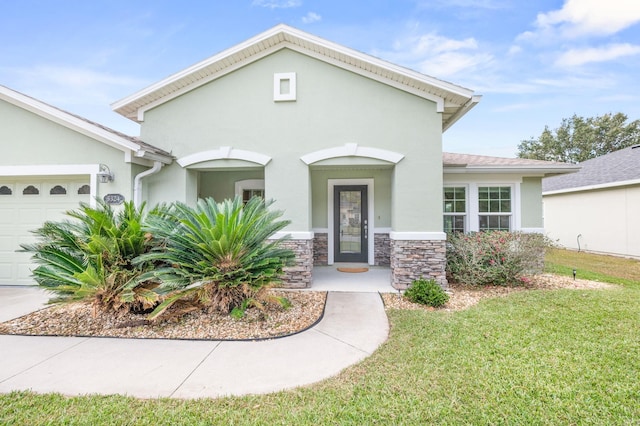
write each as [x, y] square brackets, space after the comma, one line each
[455, 209]
[494, 208]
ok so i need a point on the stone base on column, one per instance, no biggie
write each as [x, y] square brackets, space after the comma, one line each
[300, 274]
[415, 259]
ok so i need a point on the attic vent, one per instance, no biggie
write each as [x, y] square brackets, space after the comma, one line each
[284, 86]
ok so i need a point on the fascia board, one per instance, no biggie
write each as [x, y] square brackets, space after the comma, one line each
[594, 187]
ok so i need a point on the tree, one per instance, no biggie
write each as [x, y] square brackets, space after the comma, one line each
[579, 139]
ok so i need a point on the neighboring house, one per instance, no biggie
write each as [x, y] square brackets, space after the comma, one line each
[597, 209]
[349, 146]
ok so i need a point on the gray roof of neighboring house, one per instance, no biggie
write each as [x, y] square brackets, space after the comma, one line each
[470, 163]
[616, 167]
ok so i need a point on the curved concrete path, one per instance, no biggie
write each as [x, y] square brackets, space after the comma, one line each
[354, 325]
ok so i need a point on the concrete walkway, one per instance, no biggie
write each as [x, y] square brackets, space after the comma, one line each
[353, 327]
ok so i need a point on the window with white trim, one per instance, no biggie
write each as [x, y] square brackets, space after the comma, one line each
[250, 188]
[494, 208]
[455, 208]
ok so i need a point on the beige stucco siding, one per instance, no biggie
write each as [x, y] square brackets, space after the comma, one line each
[28, 139]
[606, 219]
[334, 107]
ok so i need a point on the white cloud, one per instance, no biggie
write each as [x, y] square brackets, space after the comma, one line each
[437, 55]
[577, 57]
[586, 17]
[277, 4]
[311, 17]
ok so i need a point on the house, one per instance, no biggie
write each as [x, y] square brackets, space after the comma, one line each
[349, 147]
[597, 208]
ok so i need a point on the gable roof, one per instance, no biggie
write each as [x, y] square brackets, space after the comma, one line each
[130, 145]
[617, 168]
[452, 101]
[469, 163]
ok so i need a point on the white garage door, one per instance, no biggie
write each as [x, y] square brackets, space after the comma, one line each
[25, 204]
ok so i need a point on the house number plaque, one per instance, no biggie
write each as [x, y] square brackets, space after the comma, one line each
[114, 199]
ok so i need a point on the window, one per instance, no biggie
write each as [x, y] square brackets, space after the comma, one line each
[494, 206]
[5, 190]
[455, 209]
[58, 190]
[250, 188]
[30, 190]
[84, 189]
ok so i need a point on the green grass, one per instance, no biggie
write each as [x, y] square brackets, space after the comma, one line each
[589, 266]
[536, 357]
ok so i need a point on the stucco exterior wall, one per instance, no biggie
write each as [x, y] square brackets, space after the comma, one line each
[333, 107]
[606, 220]
[29, 139]
[531, 203]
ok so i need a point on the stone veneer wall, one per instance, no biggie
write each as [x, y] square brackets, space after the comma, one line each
[321, 249]
[382, 249]
[299, 275]
[412, 260]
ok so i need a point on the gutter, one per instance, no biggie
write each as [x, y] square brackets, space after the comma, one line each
[137, 182]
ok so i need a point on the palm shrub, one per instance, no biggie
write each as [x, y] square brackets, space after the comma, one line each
[495, 257]
[217, 256]
[90, 258]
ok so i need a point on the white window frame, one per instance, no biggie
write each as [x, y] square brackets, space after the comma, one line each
[466, 204]
[513, 225]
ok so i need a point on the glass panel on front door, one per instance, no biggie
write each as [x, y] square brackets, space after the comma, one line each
[350, 223]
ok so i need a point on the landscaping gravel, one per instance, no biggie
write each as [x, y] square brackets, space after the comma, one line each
[76, 319]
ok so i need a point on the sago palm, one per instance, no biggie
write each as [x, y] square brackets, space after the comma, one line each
[217, 255]
[90, 257]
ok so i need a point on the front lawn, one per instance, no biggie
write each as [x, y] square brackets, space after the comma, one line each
[534, 357]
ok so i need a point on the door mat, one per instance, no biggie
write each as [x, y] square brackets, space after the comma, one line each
[353, 270]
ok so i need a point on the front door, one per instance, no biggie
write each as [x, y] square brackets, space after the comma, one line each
[350, 223]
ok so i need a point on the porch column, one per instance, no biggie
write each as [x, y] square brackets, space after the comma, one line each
[418, 243]
[290, 186]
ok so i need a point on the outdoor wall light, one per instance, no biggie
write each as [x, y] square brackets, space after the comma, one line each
[105, 174]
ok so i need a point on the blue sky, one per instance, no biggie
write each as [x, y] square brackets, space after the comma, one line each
[534, 62]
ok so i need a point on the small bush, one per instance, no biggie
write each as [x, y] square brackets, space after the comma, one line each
[495, 258]
[426, 292]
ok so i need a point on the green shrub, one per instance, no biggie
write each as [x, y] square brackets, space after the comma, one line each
[495, 257]
[217, 256]
[426, 292]
[91, 258]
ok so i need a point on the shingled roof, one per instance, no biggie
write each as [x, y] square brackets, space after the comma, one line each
[621, 167]
[469, 163]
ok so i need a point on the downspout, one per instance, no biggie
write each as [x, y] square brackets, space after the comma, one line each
[137, 182]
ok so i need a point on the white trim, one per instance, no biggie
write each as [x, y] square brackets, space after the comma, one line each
[331, 183]
[283, 36]
[417, 236]
[594, 187]
[293, 235]
[352, 150]
[320, 230]
[278, 78]
[224, 153]
[58, 170]
[241, 185]
[381, 230]
[466, 213]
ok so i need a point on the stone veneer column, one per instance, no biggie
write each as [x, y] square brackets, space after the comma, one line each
[320, 248]
[415, 259]
[300, 274]
[382, 249]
